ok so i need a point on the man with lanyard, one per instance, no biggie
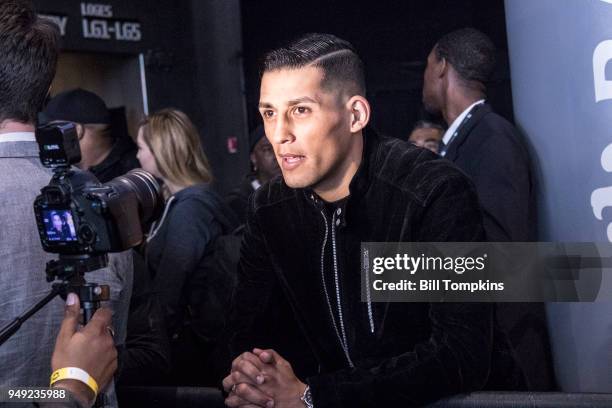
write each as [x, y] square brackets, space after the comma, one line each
[483, 144]
[493, 154]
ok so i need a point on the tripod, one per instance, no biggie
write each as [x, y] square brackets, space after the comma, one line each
[70, 271]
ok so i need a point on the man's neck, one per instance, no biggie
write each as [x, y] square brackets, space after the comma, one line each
[11, 126]
[457, 103]
[338, 187]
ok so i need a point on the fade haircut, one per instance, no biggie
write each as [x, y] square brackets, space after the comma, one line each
[470, 52]
[342, 68]
[28, 58]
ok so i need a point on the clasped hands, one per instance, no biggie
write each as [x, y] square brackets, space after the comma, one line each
[263, 379]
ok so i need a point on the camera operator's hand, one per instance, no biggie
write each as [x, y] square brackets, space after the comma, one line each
[90, 348]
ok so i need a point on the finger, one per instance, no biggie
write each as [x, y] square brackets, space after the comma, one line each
[238, 377]
[252, 395]
[71, 319]
[270, 356]
[245, 368]
[250, 365]
[227, 383]
[235, 401]
[99, 322]
[255, 360]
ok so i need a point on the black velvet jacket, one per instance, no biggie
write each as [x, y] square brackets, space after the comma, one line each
[417, 352]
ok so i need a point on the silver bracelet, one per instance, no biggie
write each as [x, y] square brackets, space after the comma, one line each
[306, 398]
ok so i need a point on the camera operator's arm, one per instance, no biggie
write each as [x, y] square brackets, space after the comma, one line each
[90, 349]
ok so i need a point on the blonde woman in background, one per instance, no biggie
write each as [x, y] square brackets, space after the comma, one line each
[180, 243]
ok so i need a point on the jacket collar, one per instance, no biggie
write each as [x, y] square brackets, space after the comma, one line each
[477, 114]
[22, 148]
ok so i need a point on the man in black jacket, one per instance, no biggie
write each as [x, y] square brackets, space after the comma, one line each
[493, 154]
[343, 185]
[482, 143]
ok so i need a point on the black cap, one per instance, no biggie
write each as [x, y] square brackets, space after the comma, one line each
[77, 105]
[255, 136]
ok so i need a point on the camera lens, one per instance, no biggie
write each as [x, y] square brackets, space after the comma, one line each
[146, 189]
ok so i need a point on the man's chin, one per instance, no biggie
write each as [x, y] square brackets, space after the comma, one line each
[297, 182]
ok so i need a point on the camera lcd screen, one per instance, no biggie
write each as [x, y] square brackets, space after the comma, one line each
[59, 225]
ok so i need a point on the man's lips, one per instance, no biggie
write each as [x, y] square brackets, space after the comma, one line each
[291, 161]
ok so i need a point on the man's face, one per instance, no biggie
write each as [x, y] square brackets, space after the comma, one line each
[428, 138]
[57, 222]
[264, 160]
[308, 127]
[432, 84]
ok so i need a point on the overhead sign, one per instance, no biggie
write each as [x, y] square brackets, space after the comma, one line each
[98, 23]
[96, 26]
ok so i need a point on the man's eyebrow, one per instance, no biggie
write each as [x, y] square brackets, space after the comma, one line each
[302, 99]
[265, 105]
[292, 102]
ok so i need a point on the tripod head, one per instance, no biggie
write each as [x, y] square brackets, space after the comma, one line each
[69, 273]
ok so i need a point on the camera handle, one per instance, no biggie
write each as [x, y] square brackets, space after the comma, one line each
[71, 270]
[7, 331]
[90, 295]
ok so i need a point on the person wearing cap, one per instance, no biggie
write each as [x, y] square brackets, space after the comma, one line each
[104, 155]
[264, 167]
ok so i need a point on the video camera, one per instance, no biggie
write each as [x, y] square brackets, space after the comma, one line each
[83, 220]
[76, 214]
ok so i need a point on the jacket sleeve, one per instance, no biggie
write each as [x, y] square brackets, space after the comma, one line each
[456, 356]
[190, 229]
[501, 176]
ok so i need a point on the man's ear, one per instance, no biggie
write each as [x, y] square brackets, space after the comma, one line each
[253, 162]
[441, 67]
[80, 130]
[360, 112]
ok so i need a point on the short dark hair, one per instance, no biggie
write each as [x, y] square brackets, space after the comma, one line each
[336, 57]
[470, 52]
[28, 58]
[426, 124]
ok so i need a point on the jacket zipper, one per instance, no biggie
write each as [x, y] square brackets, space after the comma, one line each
[341, 334]
[366, 262]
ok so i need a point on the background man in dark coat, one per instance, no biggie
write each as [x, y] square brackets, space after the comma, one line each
[492, 152]
[482, 143]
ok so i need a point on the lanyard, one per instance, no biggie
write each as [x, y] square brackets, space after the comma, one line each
[444, 147]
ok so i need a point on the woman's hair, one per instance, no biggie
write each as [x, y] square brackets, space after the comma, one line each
[175, 144]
